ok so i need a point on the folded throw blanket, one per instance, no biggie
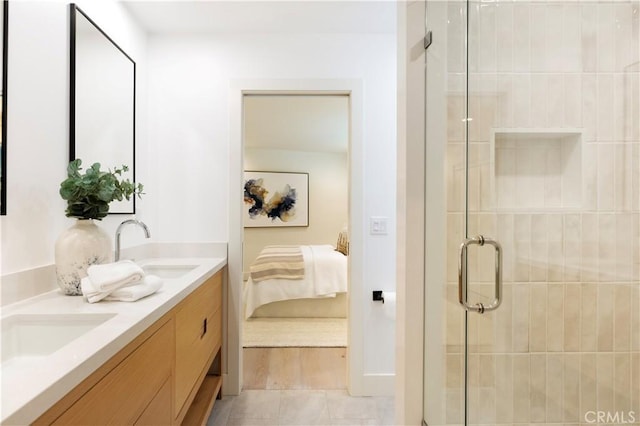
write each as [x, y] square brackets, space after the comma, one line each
[111, 276]
[149, 285]
[284, 262]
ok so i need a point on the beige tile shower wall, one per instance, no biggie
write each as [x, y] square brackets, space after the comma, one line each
[559, 382]
[566, 341]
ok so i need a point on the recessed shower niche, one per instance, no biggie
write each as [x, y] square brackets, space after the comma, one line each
[536, 169]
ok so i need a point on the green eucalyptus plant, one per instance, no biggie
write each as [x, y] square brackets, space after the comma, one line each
[88, 194]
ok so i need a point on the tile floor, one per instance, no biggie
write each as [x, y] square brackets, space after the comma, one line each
[301, 408]
[298, 387]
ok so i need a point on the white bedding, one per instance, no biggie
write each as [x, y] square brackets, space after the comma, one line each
[325, 276]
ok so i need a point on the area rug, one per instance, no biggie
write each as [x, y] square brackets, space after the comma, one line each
[294, 332]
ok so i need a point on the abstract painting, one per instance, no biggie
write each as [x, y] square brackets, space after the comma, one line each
[275, 199]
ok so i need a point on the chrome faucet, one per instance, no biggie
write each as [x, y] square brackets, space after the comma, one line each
[141, 224]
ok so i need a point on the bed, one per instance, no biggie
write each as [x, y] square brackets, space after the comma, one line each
[306, 274]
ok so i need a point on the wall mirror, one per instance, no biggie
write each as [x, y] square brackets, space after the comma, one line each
[102, 101]
[4, 21]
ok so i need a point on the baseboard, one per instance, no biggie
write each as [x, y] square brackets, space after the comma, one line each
[228, 388]
[377, 385]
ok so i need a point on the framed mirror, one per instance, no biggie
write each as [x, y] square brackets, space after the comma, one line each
[102, 101]
[4, 31]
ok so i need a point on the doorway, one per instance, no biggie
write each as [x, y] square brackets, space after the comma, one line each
[295, 144]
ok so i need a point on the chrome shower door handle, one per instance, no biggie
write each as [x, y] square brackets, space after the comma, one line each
[462, 275]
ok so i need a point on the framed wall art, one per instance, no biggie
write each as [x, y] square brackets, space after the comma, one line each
[275, 199]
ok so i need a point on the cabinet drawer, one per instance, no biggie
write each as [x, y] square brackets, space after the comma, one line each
[198, 335]
[122, 395]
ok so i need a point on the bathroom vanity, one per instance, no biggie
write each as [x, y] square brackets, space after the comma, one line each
[157, 361]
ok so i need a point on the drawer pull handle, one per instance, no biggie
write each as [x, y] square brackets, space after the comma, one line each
[204, 328]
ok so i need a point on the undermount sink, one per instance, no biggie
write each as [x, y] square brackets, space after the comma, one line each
[168, 271]
[37, 335]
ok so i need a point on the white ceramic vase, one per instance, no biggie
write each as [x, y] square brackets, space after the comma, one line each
[77, 248]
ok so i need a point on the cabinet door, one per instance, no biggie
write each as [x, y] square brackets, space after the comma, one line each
[124, 393]
[198, 336]
[158, 412]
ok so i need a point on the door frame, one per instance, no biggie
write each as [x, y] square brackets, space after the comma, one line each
[411, 210]
[356, 379]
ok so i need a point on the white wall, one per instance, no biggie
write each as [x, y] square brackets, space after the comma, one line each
[189, 83]
[38, 124]
[183, 158]
[328, 198]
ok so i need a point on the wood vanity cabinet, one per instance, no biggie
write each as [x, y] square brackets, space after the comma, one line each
[198, 341]
[168, 375]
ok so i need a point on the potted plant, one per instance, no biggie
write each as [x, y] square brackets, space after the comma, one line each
[88, 195]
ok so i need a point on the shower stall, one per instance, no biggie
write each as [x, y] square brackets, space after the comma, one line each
[532, 247]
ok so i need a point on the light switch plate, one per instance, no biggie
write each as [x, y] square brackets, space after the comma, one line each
[378, 225]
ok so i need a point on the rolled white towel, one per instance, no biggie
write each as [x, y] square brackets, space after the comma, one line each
[149, 285]
[111, 276]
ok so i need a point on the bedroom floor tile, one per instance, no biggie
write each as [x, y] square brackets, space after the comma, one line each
[256, 368]
[295, 368]
[324, 368]
[285, 369]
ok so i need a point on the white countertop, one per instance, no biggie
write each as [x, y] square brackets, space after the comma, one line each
[31, 386]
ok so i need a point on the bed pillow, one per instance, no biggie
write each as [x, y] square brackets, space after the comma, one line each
[343, 243]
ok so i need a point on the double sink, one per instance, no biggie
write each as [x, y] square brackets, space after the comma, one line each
[52, 342]
[29, 336]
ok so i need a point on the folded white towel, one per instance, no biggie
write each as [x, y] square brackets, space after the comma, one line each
[149, 285]
[90, 291]
[111, 276]
[132, 292]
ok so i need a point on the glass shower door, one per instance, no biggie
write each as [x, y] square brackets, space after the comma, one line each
[540, 141]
